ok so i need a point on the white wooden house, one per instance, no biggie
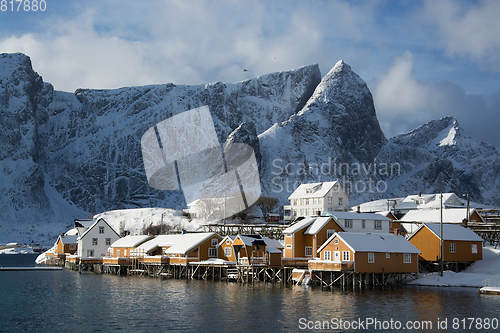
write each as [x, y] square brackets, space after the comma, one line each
[361, 222]
[95, 240]
[315, 198]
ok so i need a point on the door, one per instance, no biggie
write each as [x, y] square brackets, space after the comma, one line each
[336, 256]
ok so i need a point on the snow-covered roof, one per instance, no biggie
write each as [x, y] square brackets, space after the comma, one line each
[190, 241]
[317, 225]
[368, 242]
[356, 216]
[299, 225]
[68, 239]
[452, 232]
[272, 243]
[450, 215]
[159, 241]
[98, 221]
[313, 190]
[131, 241]
[377, 205]
[230, 237]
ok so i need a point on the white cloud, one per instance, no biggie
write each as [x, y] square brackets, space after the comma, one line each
[466, 29]
[404, 103]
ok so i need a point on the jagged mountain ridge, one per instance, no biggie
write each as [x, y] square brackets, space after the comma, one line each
[68, 154]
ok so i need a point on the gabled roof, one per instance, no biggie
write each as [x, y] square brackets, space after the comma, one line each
[189, 242]
[356, 216]
[318, 224]
[299, 225]
[132, 241]
[450, 215]
[273, 243]
[368, 242]
[230, 237]
[451, 232]
[96, 223]
[158, 241]
[67, 239]
[317, 190]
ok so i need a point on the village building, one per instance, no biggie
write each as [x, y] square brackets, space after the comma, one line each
[96, 239]
[125, 246]
[460, 244]
[253, 250]
[193, 247]
[66, 244]
[305, 237]
[315, 198]
[366, 253]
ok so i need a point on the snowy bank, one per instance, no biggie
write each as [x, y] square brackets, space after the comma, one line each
[476, 275]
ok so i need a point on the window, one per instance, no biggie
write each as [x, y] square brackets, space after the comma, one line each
[330, 200]
[94, 241]
[215, 241]
[329, 233]
[453, 248]
[73, 247]
[309, 251]
[340, 201]
[407, 258]
[212, 252]
[328, 255]
[348, 223]
[371, 257]
[288, 246]
[474, 248]
[336, 240]
[335, 188]
[289, 235]
[228, 242]
[118, 253]
[90, 253]
[101, 230]
[227, 251]
[307, 201]
[377, 225]
[363, 224]
[387, 255]
[108, 241]
[124, 253]
[346, 256]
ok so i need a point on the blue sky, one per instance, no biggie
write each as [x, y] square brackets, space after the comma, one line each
[422, 60]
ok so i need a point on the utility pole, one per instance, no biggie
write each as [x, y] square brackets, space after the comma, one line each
[441, 233]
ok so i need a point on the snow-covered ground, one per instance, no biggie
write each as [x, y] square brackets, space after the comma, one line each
[476, 275]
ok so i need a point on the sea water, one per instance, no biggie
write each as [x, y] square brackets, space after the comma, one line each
[66, 301]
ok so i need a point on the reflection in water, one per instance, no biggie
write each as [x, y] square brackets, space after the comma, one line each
[44, 301]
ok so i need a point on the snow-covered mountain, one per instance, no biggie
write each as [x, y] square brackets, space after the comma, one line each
[71, 155]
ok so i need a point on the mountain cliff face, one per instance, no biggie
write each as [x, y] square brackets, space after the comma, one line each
[69, 155]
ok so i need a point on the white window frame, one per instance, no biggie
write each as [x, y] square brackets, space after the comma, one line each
[371, 257]
[348, 223]
[387, 255]
[90, 253]
[73, 247]
[377, 225]
[363, 224]
[474, 248]
[215, 242]
[407, 258]
[289, 246]
[327, 255]
[212, 252]
[336, 241]
[228, 241]
[346, 256]
[108, 241]
[101, 229]
[340, 201]
[453, 248]
[95, 241]
[228, 251]
[308, 251]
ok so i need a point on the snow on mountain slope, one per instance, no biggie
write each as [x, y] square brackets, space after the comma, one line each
[73, 155]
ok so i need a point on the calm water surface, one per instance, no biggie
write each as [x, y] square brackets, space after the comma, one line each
[65, 301]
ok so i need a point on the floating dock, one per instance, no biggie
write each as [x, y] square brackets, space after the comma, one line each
[44, 268]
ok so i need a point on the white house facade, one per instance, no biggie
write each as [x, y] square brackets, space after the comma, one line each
[315, 198]
[361, 222]
[95, 241]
